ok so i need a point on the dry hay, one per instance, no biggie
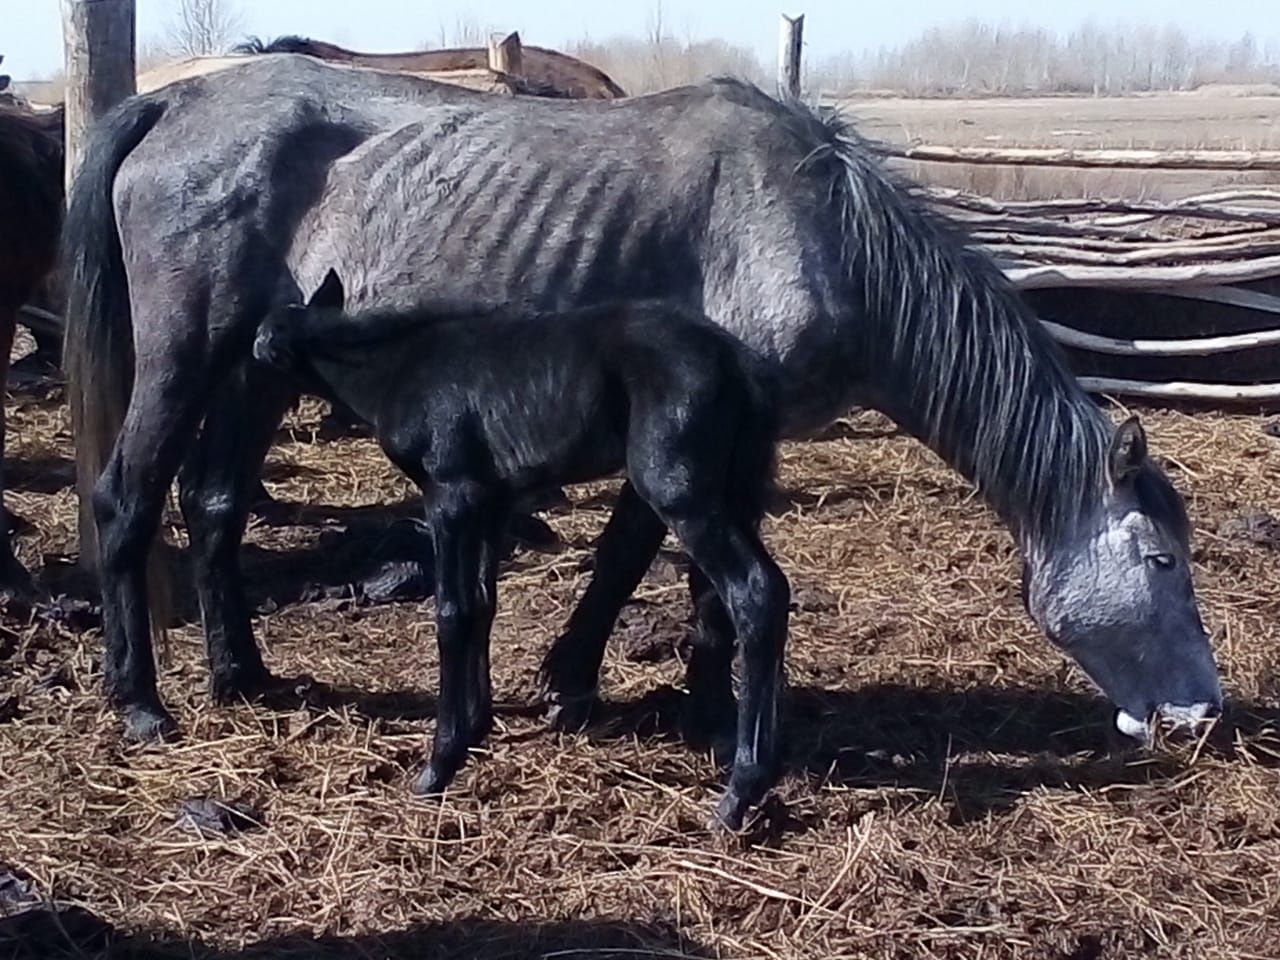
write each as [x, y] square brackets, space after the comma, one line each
[949, 791]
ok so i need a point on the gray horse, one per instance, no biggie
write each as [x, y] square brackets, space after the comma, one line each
[204, 204]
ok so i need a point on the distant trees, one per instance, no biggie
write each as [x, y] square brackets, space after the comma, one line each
[978, 58]
[203, 27]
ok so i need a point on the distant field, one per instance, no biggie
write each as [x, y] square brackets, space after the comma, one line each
[1214, 120]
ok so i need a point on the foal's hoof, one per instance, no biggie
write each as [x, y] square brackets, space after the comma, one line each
[148, 724]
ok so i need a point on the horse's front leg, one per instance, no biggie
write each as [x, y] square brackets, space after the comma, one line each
[570, 671]
[458, 546]
[218, 483]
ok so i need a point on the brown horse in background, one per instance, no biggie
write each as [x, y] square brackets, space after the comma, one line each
[559, 73]
[31, 204]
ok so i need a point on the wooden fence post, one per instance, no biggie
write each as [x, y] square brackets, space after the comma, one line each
[790, 38]
[506, 55]
[98, 39]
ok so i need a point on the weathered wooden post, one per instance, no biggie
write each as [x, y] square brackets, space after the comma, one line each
[506, 55]
[98, 38]
[790, 38]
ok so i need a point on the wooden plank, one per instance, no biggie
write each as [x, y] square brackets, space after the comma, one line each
[1079, 207]
[99, 46]
[790, 46]
[1229, 296]
[506, 55]
[1245, 393]
[1113, 159]
[1157, 279]
[1190, 347]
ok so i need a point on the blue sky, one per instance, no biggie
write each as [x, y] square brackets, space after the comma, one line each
[32, 43]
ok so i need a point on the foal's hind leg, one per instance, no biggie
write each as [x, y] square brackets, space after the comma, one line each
[755, 593]
[13, 575]
[464, 552]
[218, 484]
[571, 669]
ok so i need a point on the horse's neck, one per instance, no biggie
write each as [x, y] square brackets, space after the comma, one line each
[984, 389]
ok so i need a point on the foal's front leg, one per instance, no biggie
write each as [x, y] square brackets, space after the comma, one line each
[461, 612]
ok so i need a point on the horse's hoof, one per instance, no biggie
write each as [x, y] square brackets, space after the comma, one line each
[148, 724]
[259, 685]
[569, 714]
[534, 533]
[730, 812]
[15, 580]
[431, 782]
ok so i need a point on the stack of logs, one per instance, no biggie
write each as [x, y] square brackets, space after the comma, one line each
[1174, 301]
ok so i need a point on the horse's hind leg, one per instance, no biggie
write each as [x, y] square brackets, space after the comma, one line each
[570, 671]
[710, 714]
[13, 575]
[218, 484]
[128, 499]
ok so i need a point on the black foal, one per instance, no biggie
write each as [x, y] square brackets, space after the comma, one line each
[483, 411]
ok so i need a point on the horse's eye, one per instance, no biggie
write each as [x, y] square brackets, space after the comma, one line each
[1165, 561]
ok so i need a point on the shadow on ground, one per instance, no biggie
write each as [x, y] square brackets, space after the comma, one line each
[44, 934]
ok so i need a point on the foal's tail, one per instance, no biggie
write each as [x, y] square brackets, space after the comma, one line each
[98, 349]
[755, 448]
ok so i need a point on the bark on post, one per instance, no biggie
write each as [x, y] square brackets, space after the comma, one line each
[790, 39]
[506, 55]
[99, 43]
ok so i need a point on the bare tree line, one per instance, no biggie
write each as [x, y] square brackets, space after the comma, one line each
[977, 58]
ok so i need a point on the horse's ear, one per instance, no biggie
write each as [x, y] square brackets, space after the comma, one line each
[1128, 451]
[329, 295]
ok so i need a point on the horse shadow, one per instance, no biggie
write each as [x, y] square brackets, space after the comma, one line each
[978, 751]
[51, 933]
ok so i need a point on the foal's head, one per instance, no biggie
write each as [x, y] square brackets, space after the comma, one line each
[1115, 593]
[279, 337]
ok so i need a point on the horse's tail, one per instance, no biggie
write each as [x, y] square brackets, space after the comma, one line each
[98, 347]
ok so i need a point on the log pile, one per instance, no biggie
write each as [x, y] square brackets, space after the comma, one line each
[1169, 300]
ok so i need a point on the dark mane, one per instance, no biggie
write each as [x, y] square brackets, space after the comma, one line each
[976, 377]
[287, 44]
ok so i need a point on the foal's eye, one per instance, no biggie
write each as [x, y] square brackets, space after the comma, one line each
[1164, 561]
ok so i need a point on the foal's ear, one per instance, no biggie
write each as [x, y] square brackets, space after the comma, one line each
[1128, 451]
[329, 295]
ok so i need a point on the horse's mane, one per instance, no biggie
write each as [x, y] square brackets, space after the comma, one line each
[291, 43]
[965, 365]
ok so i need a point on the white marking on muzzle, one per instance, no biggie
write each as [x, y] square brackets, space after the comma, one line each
[1131, 726]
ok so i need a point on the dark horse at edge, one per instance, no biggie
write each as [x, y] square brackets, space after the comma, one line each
[778, 224]
[31, 201]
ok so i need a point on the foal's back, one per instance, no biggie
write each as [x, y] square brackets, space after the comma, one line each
[562, 398]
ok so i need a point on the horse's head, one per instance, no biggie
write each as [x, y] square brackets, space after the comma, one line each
[1116, 595]
[277, 341]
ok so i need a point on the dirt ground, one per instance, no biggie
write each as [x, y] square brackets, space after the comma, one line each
[951, 787]
[1212, 119]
